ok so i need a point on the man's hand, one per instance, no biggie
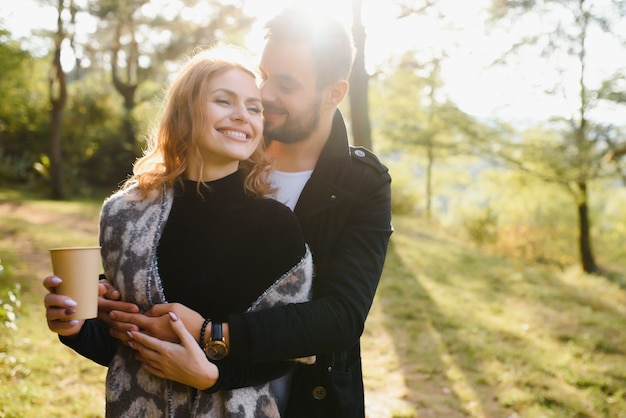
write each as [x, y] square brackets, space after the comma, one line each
[108, 300]
[192, 319]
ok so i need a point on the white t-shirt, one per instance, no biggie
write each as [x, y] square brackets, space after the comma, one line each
[289, 185]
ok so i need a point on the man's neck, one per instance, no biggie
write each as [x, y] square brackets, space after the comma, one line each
[302, 155]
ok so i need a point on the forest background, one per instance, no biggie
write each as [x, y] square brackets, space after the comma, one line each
[542, 184]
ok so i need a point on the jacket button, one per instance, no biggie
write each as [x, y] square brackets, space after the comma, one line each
[333, 197]
[359, 153]
[319, 392]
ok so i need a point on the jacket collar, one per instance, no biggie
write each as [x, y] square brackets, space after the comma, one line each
[337, 148]
[322, 189]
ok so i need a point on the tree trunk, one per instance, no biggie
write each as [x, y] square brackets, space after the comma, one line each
[359, 108]
[429, 179]
[57, 89]
[56, 157]
[584, 241]
[126, 89]
[129, 122]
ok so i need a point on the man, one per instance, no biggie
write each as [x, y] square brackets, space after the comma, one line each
[344, 209]
[342, 198]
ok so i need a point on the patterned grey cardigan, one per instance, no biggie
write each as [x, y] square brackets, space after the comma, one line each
[130, 230]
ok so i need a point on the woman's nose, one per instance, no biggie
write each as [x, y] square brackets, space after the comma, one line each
[240, 113]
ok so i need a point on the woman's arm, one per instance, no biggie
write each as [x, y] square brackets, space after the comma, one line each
[94, 339]
[186, 363]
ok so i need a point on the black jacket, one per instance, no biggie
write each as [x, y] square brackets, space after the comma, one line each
[345, 213]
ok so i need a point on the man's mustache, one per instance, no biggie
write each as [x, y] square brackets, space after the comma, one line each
[273, 108]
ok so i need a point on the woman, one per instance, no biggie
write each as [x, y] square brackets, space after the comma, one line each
[192, 226]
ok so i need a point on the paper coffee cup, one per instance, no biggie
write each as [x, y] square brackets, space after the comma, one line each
[79, 268]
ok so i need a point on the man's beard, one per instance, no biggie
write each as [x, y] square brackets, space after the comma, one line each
[295, 129]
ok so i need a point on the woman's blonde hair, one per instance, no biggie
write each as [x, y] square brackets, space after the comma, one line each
[183, 123]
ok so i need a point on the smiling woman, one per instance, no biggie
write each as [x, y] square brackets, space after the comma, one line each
[233, 112]
[193, 231]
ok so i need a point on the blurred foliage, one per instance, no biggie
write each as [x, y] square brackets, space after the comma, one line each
[96, 151]
[10, 305]
[404, 188]
[504, 187]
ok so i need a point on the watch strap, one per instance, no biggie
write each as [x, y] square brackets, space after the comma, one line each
[216, 331]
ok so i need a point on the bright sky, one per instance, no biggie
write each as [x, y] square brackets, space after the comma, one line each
[484, 93]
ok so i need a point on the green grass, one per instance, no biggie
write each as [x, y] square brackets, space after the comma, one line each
[39, 376]
[453, 332]
[481, 336]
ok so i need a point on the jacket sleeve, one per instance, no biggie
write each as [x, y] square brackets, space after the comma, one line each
[344, 288]
[93, 342]
[234, 374]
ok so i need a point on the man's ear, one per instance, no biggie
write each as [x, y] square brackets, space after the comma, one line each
[335, 92]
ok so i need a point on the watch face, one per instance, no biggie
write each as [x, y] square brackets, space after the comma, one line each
[216, 350]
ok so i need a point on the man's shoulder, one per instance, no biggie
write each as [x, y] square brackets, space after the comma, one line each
[367, 159]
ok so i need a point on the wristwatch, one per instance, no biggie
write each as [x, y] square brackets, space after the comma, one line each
[216, 348]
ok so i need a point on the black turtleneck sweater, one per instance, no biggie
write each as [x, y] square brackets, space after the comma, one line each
[221, 250]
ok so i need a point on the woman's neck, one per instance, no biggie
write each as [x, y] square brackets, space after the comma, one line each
[210, 173]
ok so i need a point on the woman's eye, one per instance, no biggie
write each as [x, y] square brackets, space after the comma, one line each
[222, 101]
[255, 110]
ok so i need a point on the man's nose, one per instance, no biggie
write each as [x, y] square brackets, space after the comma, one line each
[268, 94]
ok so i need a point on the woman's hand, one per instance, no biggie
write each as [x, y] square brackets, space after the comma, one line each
[59, 308]
[184, 363]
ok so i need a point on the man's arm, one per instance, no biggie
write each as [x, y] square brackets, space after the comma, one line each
[344, 289]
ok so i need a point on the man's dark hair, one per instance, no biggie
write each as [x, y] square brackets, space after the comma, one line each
[330, 43]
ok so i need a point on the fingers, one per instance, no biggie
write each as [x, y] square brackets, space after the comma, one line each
[107, 290]
[147, 352]
[152, 368]
[122, 336]
[51, 282]
[119, 329]
[107, 305]
[58, 306]
[181, 332]
[130, 318]
[182, 362]
[159, 309]
[145, 345]
[155, 343]
[66, 328]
